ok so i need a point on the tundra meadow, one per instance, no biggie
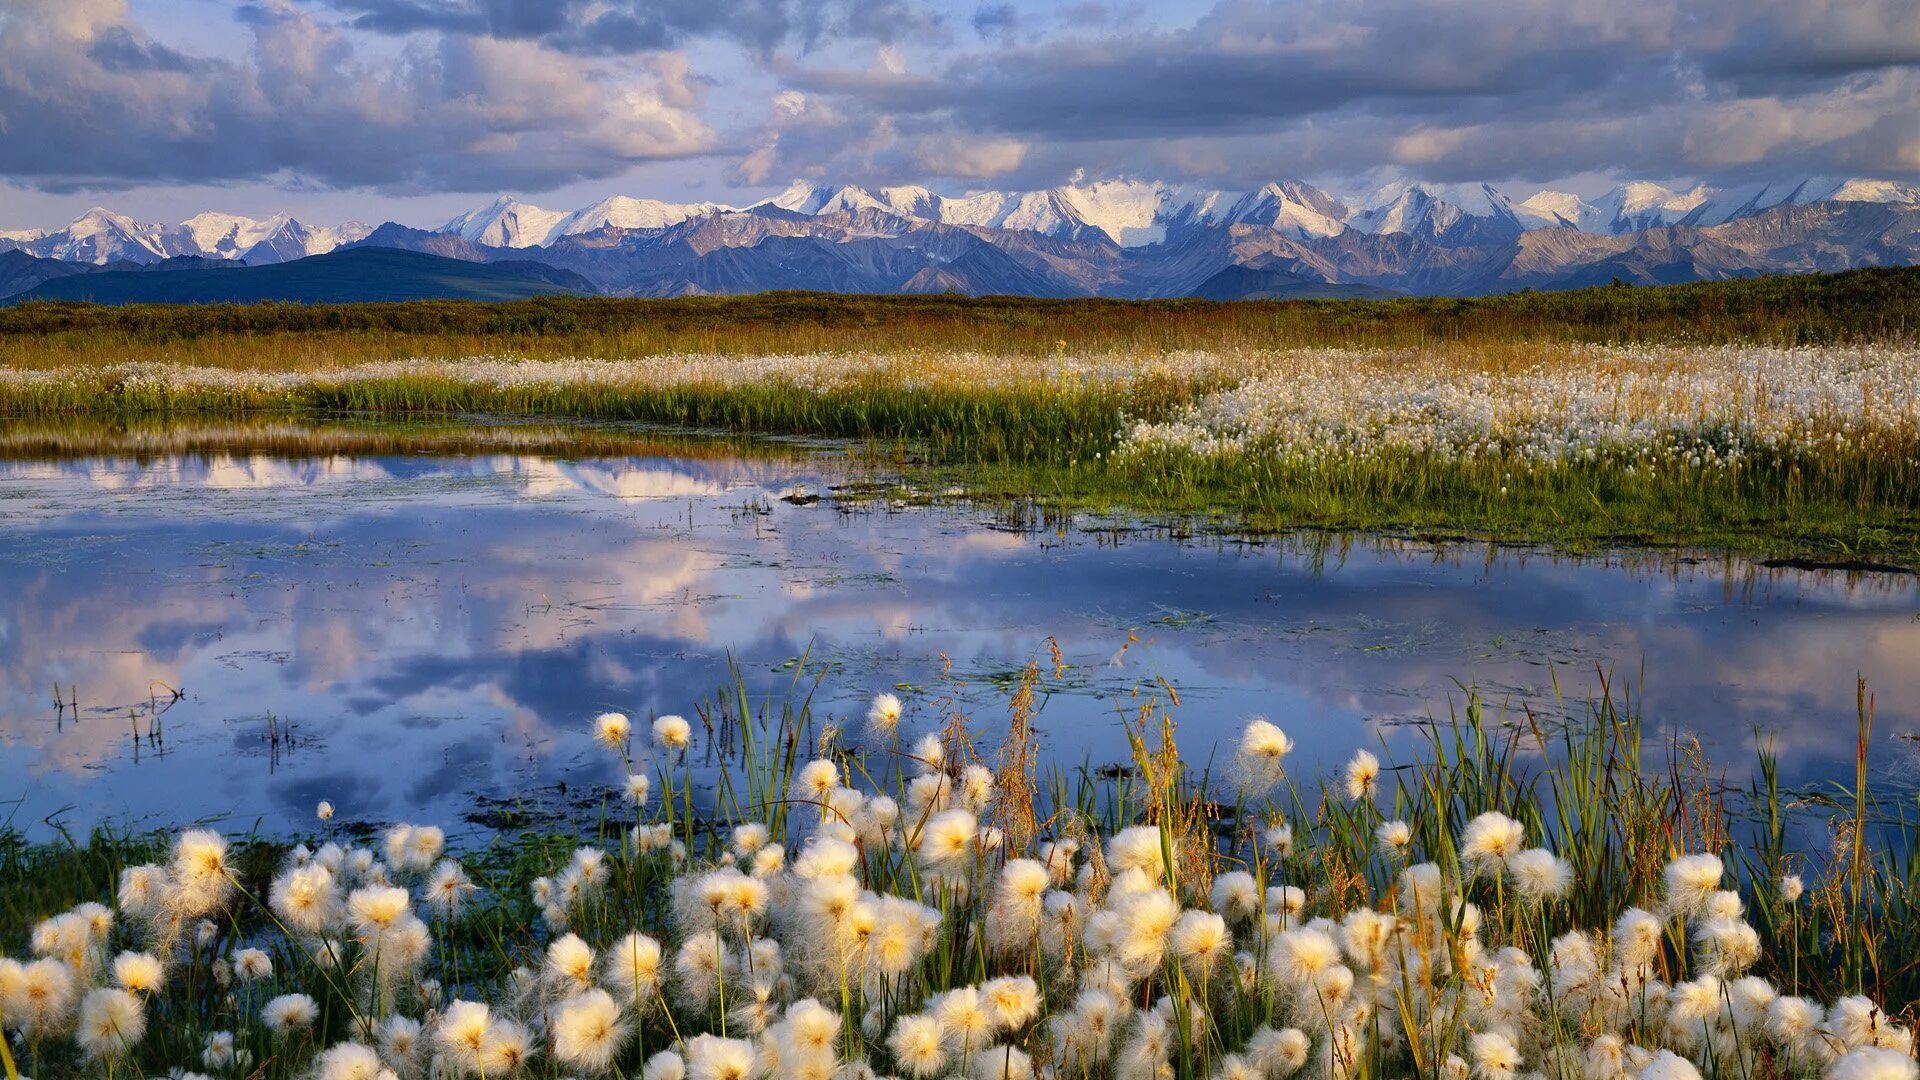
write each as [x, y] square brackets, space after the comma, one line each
[765, 891]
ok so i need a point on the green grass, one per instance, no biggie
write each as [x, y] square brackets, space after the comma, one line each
[1858, 514]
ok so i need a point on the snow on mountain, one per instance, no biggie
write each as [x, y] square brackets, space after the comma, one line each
[1297, 209]
[1049, 212]
[623, 212]
[1132, 213]
[275, 239]
[221, 236]
[804, 198]
[1874, 191]
[289, 239]
[507, 222]
[1558, 209]
[102, 236]
[325, 238]
[910, 200]
[1419, 210]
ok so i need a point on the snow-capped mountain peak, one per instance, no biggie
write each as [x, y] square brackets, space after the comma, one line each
[1132, 213]
[506, 222]
[804, 198]
[626, 212]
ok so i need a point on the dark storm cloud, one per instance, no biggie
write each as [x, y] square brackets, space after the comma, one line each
[620, 26]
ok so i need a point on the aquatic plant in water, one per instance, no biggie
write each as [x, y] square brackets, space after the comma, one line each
[884, 908]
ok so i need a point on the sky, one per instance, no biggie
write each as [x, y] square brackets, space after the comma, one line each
[414, 110]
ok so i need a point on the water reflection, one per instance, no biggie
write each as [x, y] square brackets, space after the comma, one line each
[402, 634]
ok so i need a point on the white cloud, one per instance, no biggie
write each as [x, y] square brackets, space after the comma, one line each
[89, 98]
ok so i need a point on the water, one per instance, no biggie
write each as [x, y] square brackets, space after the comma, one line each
[411, 637]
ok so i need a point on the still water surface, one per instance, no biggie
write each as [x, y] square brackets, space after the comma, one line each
[434, 631]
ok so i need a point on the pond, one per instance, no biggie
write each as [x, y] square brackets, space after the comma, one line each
[233, 635]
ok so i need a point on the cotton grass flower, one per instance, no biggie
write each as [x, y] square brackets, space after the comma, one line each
[251, 965]
[38, 998]
[349, 1061]
[588, 1031]
[1011, 1001]
[665, 1065]
[305, 898]
[201, 877]
[612, 730]
[1874, 1063]
[448, 890]
[1235, 896]
[672, 733]
[112, 1023]
[1494, 1056]
[1279, 839]
[1691, 880]
[139, 973]
[1667, 1065]
[217, 1051]
[374, 908]
[710, 1057]
[1361, 775]
[143, 889]
[1539, 875]
[289, 1013]
[1488, 841]
[637, 788]
[918, 1046]
[569, 965]
[1259, 762]
[1394, 836]
[507, 1046]
[883, 715]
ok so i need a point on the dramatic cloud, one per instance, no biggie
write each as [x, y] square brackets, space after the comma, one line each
[622, 26]
[87, 98]
[1537, 88]
[466, 95]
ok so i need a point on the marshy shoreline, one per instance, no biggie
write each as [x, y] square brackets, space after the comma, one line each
[1774, 417]
[1517, 897]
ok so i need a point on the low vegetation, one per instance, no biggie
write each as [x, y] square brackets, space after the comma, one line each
[1780, 310]
[1777, 416]
[886, 896]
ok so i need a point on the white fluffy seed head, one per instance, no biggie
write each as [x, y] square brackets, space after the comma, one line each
[672, 733]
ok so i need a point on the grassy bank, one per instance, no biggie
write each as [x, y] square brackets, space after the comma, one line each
[907, 898]
[1810, 452]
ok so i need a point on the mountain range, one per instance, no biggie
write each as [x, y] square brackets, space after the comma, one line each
[1115, 238]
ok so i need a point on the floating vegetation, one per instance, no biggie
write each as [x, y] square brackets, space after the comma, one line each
[1515, 901]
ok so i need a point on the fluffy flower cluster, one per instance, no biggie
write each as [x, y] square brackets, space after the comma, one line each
[1641, 407]
[814, 372]
[857, 934]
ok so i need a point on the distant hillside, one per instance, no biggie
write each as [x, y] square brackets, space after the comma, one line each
[20, 271]
[355, 275]
[1277, 283]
